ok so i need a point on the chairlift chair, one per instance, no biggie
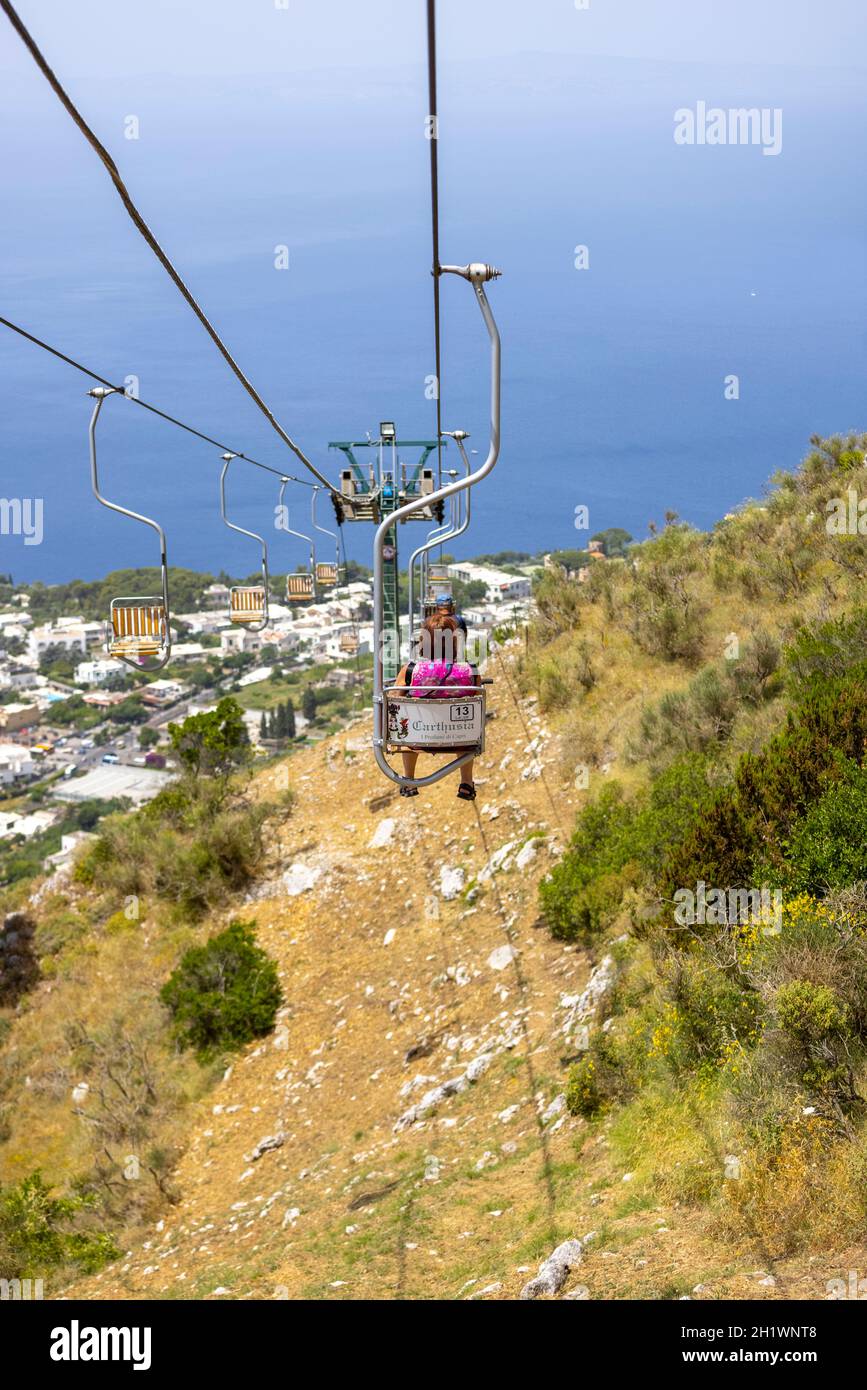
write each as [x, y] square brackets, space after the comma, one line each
[327, 573]
[453, 723]
[138, 631]
[300, 587]
[248, 603]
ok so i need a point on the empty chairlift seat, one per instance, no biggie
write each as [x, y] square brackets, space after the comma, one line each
[248, 604]
[326, 574]
[139, 628]
[299, 587]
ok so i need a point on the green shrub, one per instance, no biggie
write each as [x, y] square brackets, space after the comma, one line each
[827, 848]
[746, 823]
[665, 614]
[822, 652]
[810, 1013]
[225, 993]
[706, 1014]
[816, 1023]
[558, 604]
[583, 1094]
[588, 883]
[616, 844]
[32, 1234]
[186, 848]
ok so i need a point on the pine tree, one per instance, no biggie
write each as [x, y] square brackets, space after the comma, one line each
[290, 718]
[263, 726]
[308, 703]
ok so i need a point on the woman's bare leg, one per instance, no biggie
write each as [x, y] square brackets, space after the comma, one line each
[409, 761]
[466, 772]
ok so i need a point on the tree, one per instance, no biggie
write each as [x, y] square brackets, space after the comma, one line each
[224, 993]
[214, 744]
[308, 703]
[148, 737]
[263, 725]
[290, 718]
[615, 541]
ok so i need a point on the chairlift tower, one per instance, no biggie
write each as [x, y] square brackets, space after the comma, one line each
[371, 492]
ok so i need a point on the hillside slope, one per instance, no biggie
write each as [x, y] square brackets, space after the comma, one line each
[405, 958]
[406, 963]
[424, 1121]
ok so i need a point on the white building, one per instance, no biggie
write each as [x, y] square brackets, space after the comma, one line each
[238, 639]
[15, 762]
[164, 692]
[188, 651]
[204, 622]
[11, 823]
[499, 586]
[15, 618]
[71, 637]
[217, 596]
[96, 672]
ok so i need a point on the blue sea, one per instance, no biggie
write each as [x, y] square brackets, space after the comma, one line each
[704, 262]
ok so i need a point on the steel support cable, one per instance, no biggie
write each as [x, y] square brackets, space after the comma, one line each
[523, 994]
[145, 231]
[433, 141]
[145, 405]
[519, 712]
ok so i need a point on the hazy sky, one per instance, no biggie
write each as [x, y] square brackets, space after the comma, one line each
[263, 126]
[250, 36]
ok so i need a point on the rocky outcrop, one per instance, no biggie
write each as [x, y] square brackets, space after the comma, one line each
[554, 1271]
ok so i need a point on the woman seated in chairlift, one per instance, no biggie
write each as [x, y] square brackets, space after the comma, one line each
[439, 669]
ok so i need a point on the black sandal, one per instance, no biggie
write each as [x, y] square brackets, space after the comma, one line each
[466, 792]
[409, 791]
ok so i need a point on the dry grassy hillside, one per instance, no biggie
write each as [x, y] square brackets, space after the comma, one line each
[399, 977]
[403, 1132]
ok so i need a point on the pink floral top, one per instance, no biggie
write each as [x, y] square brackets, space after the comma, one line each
[440, 679]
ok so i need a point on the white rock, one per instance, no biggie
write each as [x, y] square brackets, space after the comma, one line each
[553, 1271]
[478, 1066]
[582, 1007]
[80, 1093]
[557, 1106]
[300, 878]
[383, 834]
[525, 856]
[501, 957]
[452, 882]
[389, 936]
[271, 1141]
